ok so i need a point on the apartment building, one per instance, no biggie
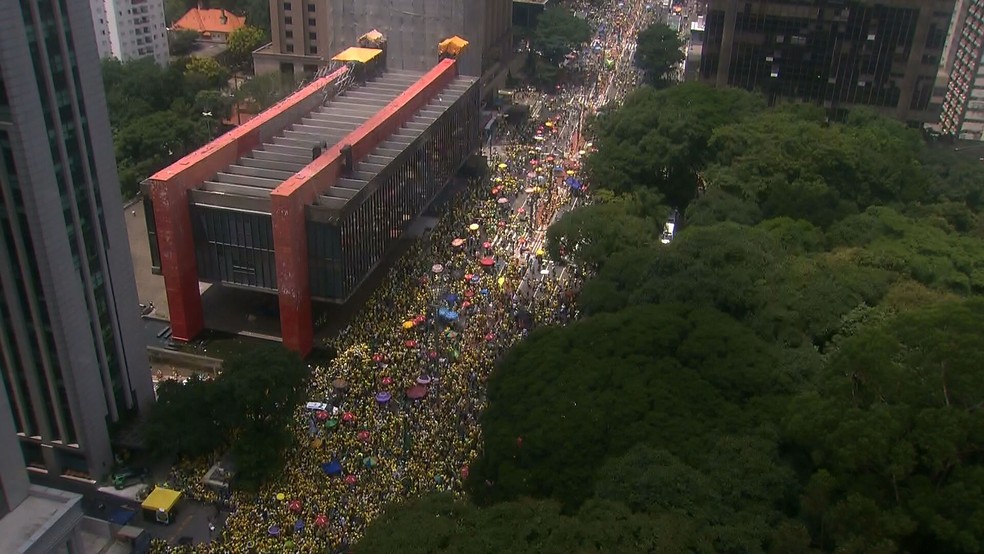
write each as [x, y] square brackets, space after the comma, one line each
[306, 33]
[130, 29]
[884, 54]
[963, 105]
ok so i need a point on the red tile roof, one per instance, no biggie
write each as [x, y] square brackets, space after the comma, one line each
[207, 21]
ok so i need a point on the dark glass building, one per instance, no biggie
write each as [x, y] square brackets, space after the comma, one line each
[71, 358]
[833, 53]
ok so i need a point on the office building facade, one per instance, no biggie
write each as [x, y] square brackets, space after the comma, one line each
[883, 54]
[963, 106]
[71, 356]
[130, 29]
[306, 33]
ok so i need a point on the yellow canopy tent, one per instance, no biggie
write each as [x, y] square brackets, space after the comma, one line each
[161, 503]
[452, 46]
[356, 54]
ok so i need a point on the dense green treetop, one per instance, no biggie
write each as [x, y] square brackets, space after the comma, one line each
[658, 53]
[658, 139]
[558, 32]
[797, 372]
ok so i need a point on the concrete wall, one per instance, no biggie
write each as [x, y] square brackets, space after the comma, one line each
[13, 475]
[288, 201]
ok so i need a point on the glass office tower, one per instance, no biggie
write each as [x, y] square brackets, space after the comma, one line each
[71, 357]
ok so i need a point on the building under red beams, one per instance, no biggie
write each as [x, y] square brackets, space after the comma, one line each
[305, 199]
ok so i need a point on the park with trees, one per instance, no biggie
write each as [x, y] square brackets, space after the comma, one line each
[797, 372]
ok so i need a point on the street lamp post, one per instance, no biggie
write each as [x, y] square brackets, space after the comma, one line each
[208, 122]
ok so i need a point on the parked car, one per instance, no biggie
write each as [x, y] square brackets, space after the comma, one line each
[124, 477]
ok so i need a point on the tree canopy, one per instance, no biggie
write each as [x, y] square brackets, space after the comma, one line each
[558, 32]
[658, 53]
[248, 407]
[796, 372]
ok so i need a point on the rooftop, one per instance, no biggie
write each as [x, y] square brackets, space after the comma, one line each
[259, 172]
[348, 189]
[207, 21]
[42, 510]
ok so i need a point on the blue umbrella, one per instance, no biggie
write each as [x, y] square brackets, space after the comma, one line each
[333, 467]
[452, 298]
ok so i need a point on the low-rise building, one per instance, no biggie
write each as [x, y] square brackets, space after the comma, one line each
[211, 24]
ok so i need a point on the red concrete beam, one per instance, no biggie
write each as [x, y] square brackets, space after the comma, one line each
[290, 197]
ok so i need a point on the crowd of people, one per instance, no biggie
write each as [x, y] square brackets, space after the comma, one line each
[395, 413]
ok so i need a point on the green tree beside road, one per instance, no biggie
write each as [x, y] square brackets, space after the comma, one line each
[658, 53]
[249, 408]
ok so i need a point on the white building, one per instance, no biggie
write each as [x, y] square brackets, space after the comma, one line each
[130, 29]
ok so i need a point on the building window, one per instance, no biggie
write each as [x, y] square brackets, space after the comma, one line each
[310, 7]
[289, 34]
[312, 22]
[312, 36]
[313, 49]
[288, 20]
[286, 6]
[290, 48]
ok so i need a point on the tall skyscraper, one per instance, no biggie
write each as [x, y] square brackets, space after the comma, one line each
[307, 33]
[963, 105]
[834, 53]
[130, 29]
[71, 357]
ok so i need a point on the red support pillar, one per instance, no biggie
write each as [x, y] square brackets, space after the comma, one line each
[177, 247]
[293, 281]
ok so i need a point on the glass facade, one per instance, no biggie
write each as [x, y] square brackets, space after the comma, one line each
[342, 254]
[831, 53]
[234, 247]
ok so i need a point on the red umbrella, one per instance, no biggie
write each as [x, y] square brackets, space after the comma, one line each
[468, 276]
[387, 380]
[419, 319]
[486, 244]
[348, 417]
[363, 436]
[487, 261]
[502, 224]
[469, 293]
[294, 506]
[432, 355]
[321, 520]
[410, 343]
[351, 479]
[416, 392]
[321, 415]
[465, 304]
[378, 358]
[490, 337]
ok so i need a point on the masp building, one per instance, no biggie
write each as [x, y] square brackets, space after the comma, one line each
[305, 200]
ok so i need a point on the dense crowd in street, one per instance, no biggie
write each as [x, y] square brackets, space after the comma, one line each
[395, 414]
